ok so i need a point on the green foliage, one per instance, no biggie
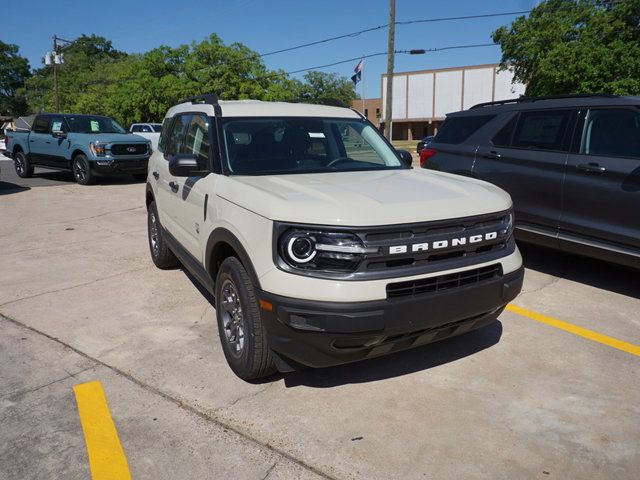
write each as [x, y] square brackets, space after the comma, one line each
[141, 87]
[575, 46]
[14, 70]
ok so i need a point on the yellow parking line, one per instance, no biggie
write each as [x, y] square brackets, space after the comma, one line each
[106, 456]
[582, 332]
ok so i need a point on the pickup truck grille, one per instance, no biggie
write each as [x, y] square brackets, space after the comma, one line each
[129, 149]
[443, 282]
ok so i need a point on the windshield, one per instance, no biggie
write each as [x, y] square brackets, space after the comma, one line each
[157, 127]
[259, 146]
[90, 124]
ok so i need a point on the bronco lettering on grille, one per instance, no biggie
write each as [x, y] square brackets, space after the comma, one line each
[440, 244]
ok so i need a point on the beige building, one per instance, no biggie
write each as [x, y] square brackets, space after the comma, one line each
[421, 99]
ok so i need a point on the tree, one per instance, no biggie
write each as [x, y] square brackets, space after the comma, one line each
[575, 46]
[320, 85]
[14, 70]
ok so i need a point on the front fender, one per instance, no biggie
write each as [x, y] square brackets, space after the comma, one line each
[221, 235]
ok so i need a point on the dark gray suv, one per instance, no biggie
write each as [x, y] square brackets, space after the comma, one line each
[571, 165]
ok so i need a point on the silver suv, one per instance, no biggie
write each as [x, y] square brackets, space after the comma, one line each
[318, 240]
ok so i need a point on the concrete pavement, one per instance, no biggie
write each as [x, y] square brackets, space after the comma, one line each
[517, 399]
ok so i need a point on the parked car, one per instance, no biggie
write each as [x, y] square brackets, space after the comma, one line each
[150, 131]
[424, 143]
[318, 240]
[571, 164]
[85, 144]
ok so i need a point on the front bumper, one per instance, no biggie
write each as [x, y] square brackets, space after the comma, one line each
[322, 334]
[132, 166]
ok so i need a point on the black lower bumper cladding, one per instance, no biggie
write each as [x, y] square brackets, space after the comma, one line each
[137, 166]
[322, 334]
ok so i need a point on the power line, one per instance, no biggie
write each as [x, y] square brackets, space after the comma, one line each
[379, 27]
[409, 52]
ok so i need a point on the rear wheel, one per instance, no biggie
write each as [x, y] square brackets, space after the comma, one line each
[23, 167]
[82, 171]
[161, 255]
[243, 337]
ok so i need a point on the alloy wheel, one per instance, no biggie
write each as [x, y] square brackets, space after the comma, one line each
[232, 318]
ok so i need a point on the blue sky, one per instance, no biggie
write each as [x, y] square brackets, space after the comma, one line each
[267, 25]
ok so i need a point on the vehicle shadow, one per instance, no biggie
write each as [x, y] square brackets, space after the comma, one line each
[67, 176]
[389, 366]
[596, 273]
[7, 188]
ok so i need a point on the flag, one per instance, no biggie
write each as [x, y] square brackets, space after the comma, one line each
[358, 76]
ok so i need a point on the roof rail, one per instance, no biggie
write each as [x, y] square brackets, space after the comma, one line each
[548, 97]
[207, 99]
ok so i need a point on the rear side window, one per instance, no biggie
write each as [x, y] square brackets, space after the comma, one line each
[613, 132]
[503, 138]
[458, 129]
[542, 129]
[41, 125]
[164, 134]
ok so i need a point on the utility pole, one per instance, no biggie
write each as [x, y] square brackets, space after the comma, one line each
[56, 93]
[388, 130]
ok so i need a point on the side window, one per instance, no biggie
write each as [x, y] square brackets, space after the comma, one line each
[503, 137]
[135, 128]
[198, 141]
[41, 125]
[176, 137]
[457, 129]
[57, 125]
[541, 129]
[145, 128]
[613, 132]
[164, 133]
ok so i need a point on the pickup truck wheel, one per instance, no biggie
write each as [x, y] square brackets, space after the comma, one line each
[82, 171]
[23, 167]
[161, 255]
[242, 334]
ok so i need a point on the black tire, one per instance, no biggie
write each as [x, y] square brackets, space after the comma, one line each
[82, 170]
[243, 337]
[23, 166]
[140, 177]
[161, 255]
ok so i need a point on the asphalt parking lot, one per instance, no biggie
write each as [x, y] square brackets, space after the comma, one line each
[551, 396]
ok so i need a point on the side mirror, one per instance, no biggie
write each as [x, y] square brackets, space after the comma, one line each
[405, 157]
[60, 135]
[185, 165]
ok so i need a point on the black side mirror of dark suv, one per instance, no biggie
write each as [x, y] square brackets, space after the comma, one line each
[405, 157]
[185, 165]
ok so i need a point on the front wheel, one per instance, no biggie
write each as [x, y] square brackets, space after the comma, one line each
[23, 167]
[243, 337]
[82, 171]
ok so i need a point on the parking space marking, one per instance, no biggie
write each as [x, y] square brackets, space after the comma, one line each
[582, 332]
[107, 459]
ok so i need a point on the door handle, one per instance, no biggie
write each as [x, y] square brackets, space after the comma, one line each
[492, 155]
[47, 141]
[591, 168]
[174, 187]
[156, 175]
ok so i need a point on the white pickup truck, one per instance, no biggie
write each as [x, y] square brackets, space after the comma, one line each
[150, 131]
[318, 240]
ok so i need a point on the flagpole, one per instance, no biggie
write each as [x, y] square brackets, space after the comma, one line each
[363, 110]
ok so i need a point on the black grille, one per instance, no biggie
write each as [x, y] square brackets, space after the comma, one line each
[443, 282]
[129, 149]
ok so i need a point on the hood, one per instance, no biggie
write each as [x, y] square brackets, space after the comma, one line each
[111, 137]
[364, 198]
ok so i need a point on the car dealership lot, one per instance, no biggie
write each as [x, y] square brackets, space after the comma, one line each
[81, 301]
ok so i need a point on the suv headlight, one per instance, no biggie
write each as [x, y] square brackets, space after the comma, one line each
[326, 251]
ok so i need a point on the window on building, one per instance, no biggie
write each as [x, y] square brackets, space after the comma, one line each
[366, 112]
[541, 129]
[613, 132]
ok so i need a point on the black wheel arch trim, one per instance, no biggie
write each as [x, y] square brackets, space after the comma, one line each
[222, 235]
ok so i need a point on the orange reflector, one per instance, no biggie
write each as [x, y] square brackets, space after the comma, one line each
[268, 306]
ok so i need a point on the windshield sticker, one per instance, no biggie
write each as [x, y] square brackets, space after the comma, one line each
[56, 126]
[95, 126]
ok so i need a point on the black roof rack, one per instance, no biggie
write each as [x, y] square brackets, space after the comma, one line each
[548, 97]
[207, 99]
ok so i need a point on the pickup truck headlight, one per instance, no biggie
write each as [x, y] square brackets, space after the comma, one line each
[98, 149]
[326, 251]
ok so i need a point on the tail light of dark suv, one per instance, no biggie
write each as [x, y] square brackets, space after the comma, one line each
[425, 155]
